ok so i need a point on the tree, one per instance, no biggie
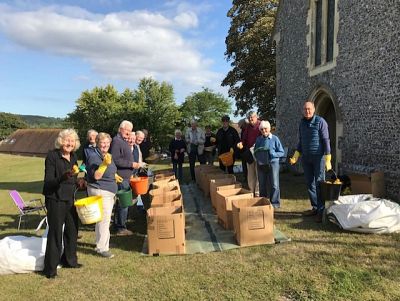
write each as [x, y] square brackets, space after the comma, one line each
[206, 107]
[159, 114]
[250, 49]
[10, 123]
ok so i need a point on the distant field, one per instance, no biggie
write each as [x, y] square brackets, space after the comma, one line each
[320, 263]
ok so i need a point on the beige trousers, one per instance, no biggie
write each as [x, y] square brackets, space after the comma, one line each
[102, 228]
[252, 178]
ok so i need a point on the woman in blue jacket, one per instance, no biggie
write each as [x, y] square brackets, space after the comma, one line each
[267, 151]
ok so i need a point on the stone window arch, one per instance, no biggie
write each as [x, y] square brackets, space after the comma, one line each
[323, 22]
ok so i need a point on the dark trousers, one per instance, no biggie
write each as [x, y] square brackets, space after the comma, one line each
[58, 214]
[193, 155]
[228, 169]
[177, 168]
[121, 213]
[314, 172]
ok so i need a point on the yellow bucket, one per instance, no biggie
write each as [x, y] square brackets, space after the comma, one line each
[90, 209]
[226, 158]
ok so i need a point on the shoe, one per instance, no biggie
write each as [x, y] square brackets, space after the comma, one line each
[318, 218]
[124, 232]
[77, 266]
[276, 206]
[106, 254]
[311, 212]
[53, 276]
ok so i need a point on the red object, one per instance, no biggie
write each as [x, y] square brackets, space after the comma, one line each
[140, 185]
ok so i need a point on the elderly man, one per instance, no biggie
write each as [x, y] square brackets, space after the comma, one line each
[250, 134]
[315, 150]
[123, 157]
[227, 139]
[195, 139]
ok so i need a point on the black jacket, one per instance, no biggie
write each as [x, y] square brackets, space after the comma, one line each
[227, 139]
[56, 186]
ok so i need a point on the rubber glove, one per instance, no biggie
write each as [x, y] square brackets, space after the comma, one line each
[83, 168]
[239, 145]
[295, 157]
[75, 169]
[106, 161]
[118, 178]
[328, 164]
[231, 150]
[212, 139]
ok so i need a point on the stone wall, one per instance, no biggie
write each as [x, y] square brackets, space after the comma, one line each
[365, 82]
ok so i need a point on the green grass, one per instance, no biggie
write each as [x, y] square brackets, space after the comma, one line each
[321, 263]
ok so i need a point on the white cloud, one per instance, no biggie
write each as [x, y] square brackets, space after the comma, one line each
[120, 46]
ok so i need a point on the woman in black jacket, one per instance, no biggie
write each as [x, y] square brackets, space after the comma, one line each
[177, 148]
[59, 186]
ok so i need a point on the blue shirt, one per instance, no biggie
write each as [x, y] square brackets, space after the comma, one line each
[268, 149]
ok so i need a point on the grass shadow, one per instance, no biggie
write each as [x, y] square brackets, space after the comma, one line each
[25, 187]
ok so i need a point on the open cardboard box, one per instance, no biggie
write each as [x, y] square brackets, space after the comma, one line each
[371, 184]
[208, 177]
[166, 230]
[253, 221]
[171, 198]
[221, 184]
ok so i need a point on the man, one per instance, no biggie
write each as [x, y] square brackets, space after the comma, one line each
[123, 158]
[227, 139]
[145, 145]
[314, 148]
[250, 134]
[195, 139]
[138, 158]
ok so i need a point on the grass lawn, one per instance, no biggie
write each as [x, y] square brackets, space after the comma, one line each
[320, 263]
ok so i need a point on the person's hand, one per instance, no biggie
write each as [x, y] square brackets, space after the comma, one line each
[328, 164]
[81, 183]
[135, 165]
[118, 178]
[75, 169]
[106, 161]
[182, 150]
[66, 175]
[239, 145]
[212, 139]
[294, 159]
[176, 156]
[143, 165]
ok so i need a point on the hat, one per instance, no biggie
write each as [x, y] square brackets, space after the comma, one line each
[225, 118]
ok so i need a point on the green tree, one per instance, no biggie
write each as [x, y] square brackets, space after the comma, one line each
[250, 50]
[10, 123]
[205, 106]
[158, 113]
[102, 109]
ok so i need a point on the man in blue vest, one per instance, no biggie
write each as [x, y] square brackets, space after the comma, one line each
[315, 151]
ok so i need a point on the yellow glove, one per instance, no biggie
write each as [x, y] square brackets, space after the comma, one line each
[295, 157]
[212, 139]
[75, 169]
[118, 178]
[106, 161]
[328, 164]
[231, 150]
[239, 145]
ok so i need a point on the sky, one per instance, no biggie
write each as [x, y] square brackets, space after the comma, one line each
[52, 51]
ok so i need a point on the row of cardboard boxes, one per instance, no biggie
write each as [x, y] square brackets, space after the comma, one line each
[166, 217]
[250, 218]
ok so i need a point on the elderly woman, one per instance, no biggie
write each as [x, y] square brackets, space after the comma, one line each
[267, 151]
[59, 187]
[177, 148]
[102, 181]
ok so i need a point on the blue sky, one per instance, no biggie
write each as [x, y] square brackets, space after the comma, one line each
[52, 51]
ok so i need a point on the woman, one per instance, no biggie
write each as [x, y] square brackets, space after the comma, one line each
[102, 181]
[59, 187]
[177, 148]
[267, 151]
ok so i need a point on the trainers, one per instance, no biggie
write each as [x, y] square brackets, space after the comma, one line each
[311, 212]
[106, 254]
[124, 232]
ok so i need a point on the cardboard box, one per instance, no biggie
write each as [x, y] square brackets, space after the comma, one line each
[221, 184]
[212, 176]
[373, 184]
[253, 221]
[163, 190]
[200, 170]
[161, 175]
[164, 199]
[224, 204]
[164, 183]
[166, 230]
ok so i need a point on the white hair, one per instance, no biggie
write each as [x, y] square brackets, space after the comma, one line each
[63, 135]
[264, 124]
[90, 132]
[126, 124]
[140, 133]
[178, 132]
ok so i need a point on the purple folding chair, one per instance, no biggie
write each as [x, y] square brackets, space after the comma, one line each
[28, 207]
